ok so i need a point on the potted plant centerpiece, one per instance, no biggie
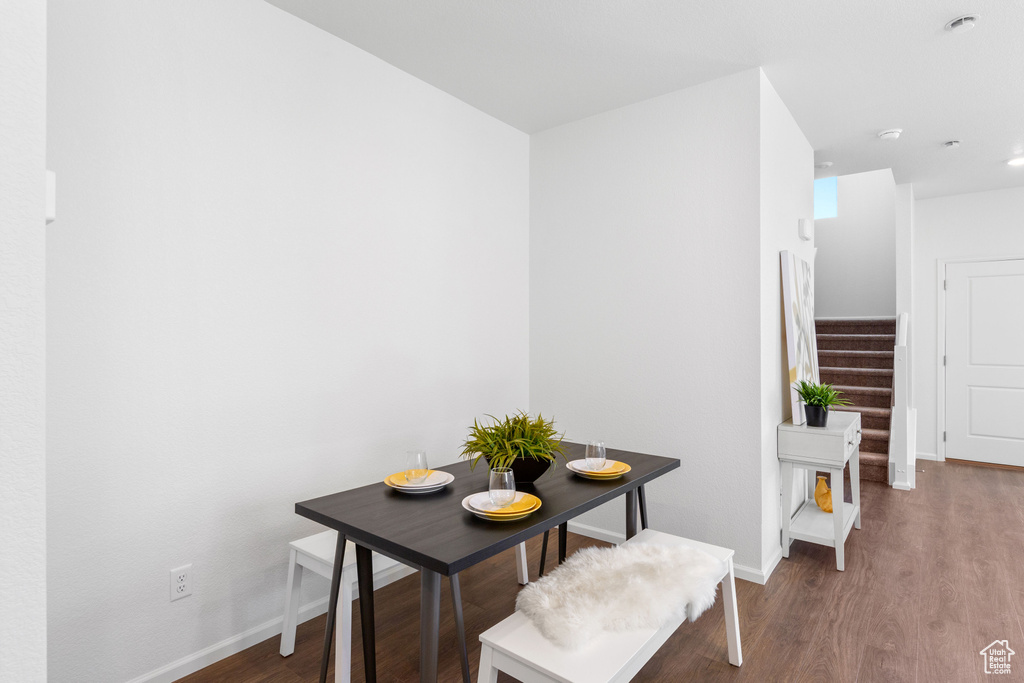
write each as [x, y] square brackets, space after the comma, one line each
[526, 445]
[818, 398]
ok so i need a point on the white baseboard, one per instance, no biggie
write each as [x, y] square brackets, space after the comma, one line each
[613, 537]
[928, 456]
[742, 572]
[225, 648]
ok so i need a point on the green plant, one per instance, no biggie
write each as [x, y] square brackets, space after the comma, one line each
[821, 395]
[515, 437]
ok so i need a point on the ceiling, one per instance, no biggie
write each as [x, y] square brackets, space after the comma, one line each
[847, 70]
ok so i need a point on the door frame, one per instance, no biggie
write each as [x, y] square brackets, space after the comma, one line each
[940, 342]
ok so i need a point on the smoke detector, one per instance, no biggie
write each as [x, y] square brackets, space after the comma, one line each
[951, 144]
[823, 164]
[962, 24]
[891, 134]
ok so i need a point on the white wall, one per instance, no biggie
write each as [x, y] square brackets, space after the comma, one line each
[905, 271]
[855, 269]
[967, 226]
[22, 342]
[646, 297]
[787, 195]
[276, 267]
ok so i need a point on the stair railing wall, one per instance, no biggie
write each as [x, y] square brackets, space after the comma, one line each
[902, 430]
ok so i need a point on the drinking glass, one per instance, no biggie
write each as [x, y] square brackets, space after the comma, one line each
[416, 466]
[502, 488]
[595, 455]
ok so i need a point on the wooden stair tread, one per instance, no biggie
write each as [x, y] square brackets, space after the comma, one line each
[856, 352]
[847, 336]
[874, 459]
[868, 410]
[881, 372]
[850, 389]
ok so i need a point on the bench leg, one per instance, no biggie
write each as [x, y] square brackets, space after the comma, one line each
[522, 569]
[732, 617]
[291, 605]
[343, 638]
[487, 674]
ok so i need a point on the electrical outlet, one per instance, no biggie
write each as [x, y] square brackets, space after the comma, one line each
[181, 582]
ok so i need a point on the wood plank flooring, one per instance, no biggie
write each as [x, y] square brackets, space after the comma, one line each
[934, 575]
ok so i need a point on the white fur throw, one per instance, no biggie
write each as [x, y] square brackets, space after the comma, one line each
[633, 586]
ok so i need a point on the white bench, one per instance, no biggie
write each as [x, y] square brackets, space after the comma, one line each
[516, 647]
[316, 553]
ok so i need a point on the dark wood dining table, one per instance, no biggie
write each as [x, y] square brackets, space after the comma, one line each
[436, 534]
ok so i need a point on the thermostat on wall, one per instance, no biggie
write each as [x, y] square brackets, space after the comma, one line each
[806, 229]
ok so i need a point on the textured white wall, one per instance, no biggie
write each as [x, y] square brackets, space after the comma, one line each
[22, 342]
[787, 195]
[279, 264]
[966, 226]
[645, 303]
[855, 269]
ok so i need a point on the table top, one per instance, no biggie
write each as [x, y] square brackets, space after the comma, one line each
[434, 531]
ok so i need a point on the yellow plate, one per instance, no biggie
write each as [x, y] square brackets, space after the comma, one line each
[525, 504]
[616, 475]
[398, 479]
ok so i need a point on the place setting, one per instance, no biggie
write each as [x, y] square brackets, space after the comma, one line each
[595, 465]
[501, 502]
[417, 478]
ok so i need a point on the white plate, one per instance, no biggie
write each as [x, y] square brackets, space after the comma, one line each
[581, 466]
[481, 515]
[481, 502]
[415, 491]
[434, 481]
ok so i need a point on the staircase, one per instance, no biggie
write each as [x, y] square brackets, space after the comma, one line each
[856, 356]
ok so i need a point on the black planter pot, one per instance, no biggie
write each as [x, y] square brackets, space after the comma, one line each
[527, 470]
[816, 416]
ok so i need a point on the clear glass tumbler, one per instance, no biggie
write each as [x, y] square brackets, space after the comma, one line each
[502, 488]
[595, 456]
[416, 469]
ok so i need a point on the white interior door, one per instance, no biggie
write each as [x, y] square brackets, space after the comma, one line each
[985, 362]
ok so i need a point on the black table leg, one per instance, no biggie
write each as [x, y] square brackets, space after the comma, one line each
[332, 605]
[460, 628]
[543, 554]
[563, 537]
[643, 506]
[630, 514]
[430, 623]
[364, 572]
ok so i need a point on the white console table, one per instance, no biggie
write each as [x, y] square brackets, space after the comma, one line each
[821, 448]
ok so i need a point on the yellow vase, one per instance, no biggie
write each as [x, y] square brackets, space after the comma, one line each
[822, 495]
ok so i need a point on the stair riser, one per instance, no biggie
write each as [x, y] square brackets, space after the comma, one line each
[873, 445]
[856, 379]
[842, 359]
[855, 326]
[873, 421]
[868, 400]
[864, 344]
[874, 473]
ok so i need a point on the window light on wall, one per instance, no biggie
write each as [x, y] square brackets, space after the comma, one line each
[826, 198]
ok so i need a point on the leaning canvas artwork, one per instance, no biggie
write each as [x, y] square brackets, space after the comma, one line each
[801, 344]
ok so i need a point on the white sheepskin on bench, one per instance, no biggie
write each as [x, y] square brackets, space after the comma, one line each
[619, 589]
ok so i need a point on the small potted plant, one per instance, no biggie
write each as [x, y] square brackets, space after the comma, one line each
[524, 444]
[818, 398]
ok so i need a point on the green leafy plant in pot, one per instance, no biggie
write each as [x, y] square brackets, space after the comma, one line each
[526, 445]
[818, 398]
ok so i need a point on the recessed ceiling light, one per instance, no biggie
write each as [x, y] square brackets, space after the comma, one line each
[823, 164]
[951, 144]
[962, 24]
[1019, 161]
[891, 134]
